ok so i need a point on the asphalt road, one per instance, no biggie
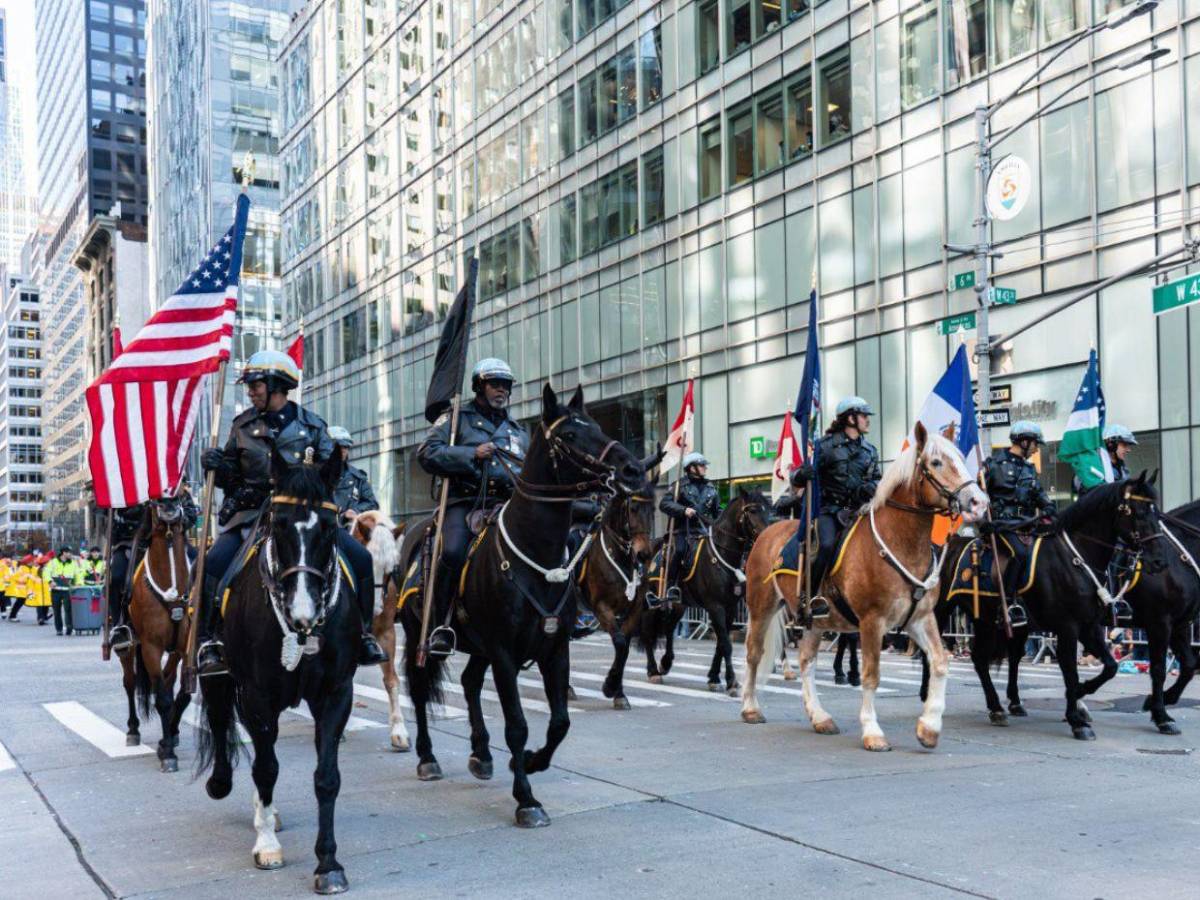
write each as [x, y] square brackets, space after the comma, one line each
[673, 798]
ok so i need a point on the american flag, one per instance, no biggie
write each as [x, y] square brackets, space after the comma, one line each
[143, 408]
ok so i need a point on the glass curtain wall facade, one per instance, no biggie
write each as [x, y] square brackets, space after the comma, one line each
[18, 208]
[654, 189]
[21, 499]
[91, 161]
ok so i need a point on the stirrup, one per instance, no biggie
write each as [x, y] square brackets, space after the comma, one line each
[1017, 617]
[120, 638]
[1122, 612]
[673, 595]
[214, 664]
[441, 650]
[653, 601]
[817, 606]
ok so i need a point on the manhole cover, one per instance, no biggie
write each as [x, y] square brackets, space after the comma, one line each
[1134, 704]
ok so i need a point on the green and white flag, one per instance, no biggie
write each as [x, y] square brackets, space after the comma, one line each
[1082, 443]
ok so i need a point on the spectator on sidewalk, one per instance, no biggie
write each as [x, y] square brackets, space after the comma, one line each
[59, 575]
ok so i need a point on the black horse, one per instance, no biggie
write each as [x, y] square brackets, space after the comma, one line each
[292, 632]
[711, 575]
[659, 622]
[518, 602]
[1165, 603]
[1062, 595]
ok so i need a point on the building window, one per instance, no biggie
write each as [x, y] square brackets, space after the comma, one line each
[919, 54]
[566, 123]
[741, 144]
[710, 158]
[796, 8]
[709, 30]
[650, 53]
[966, 40]
[653, 200]
[1014, 29]
[589, 113]
[738, 26]
[627, 89]
[566, 229]
[589, 218]
[800, 117]
[1062, 17]
[607, 95]
[835, 97]
[768, 130]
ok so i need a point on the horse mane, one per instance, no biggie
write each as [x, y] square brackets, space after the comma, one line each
[1186, 510]
[1100, 499]
[303, 482]
[383, 547]
[901, 472]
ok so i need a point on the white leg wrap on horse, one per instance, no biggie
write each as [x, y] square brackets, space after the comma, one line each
[399, 734]
[866, 716]
[268, 852]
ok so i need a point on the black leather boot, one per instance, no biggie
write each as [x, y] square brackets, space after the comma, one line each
[441, 639]
[210, 658]
[369, 651]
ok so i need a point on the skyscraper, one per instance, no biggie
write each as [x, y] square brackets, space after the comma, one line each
[92, 160]
[18, 209]
[213, 98]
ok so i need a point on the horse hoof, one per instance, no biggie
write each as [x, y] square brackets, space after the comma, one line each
[789, 675]
[876, 744]
[133, 740]
[714, 686]
[620, 703]
[1083, 712]
[429, 771]
[927, 737]
[1168, 727]
[400, 744]
[1016, 709]
[997, 717]
[655, 679]
[839, 678]
[268, 859]
[218, 788]
[826, 726]
[734, 690]
[1083, 733]
[169, 765]
[571, 693]
[480, 768]
[330, 882]
[753, 717]
[532, 817]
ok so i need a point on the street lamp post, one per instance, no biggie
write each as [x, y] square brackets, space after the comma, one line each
[985, 144]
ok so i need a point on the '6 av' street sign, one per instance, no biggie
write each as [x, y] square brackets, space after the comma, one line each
[1176, 294]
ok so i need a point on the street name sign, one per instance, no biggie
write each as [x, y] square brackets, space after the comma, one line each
[994, 418]
[1001, 393]
[1004, 296]
[954, 324]
[961, 280]
[1175, 294]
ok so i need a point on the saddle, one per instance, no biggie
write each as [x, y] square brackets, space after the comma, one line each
[975, 560]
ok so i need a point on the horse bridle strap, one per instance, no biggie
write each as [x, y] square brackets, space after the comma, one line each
[296, 501]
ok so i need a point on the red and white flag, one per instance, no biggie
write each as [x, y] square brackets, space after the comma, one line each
[296, 350]
[143, 408]
[679, 441]
[117, 348]
[787, 458]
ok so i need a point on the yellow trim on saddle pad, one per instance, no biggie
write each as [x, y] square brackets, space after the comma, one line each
[1033, 561]
[695, 560]
[775, 573]
[249, 556]
[582, 572]
[968, 591]
[462, 578]
[837, 564]
[405, 594]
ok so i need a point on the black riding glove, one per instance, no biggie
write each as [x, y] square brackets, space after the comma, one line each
[213, 460]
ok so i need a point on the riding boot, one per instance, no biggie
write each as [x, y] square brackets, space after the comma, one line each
[210, 658]
[120, 636]
[441, 638]
[369, 651]
[1017, 616]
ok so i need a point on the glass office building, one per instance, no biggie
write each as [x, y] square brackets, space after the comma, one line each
[654, 189]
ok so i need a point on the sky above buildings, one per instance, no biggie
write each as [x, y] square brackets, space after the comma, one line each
[21, 69]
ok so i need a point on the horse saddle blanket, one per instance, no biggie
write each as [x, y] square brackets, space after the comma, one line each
[690, 554]
[414, 577]
[975, 560]
[789, 561]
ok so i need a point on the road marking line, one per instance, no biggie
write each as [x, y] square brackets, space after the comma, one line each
[596, 695]
[98, 732]
[374, 693]
[191, 716]
[354, 723]
[6, 760]
[661, 688]
[820, 682]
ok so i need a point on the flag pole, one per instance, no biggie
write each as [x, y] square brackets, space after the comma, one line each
[807, 524]
[105, 647]
[436, 555]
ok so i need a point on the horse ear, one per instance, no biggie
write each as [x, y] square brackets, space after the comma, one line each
[1141, 479]
[920, 435]
[1153, 478]
[577, 399]
[549, 404]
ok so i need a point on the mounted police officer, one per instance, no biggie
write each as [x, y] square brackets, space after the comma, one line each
[243, 472]
[489, 447]
[353, 492]
[693, 504]
[1118, 442]
[1018, 500]
[847, 470]
[127, 522]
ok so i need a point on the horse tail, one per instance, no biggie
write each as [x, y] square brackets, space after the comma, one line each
[217, 695]
[424, 682]
[141, 682]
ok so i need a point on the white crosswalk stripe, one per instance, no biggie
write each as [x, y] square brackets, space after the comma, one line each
[374, 693]
[354, 723]
[6, 760]
[637, 684]
[598, 695]
[98, 732]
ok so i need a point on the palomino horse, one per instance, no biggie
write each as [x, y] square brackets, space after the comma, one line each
[884, 577]
[158, 612]
[292, 632]
[712, 575]
[517, 602]
[382, 539]
[612, 579]
[1064, 588]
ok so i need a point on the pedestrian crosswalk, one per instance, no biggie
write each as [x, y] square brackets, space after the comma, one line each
[100, 724]
[6, 760]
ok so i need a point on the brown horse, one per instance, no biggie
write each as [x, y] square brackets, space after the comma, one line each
[382, 538]
[885, 576]
[613, 582]
[158, 613]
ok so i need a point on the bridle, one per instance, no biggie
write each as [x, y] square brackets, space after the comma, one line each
[171, 517]
[598, 473]
[953, 497]
[330, 579]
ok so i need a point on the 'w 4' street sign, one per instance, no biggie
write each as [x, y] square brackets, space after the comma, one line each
[1176, 294]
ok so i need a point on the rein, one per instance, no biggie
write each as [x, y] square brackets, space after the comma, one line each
[1101, 590]
[171, 595]
[1183, 551]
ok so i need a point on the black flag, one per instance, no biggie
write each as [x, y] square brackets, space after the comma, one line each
[450, 364]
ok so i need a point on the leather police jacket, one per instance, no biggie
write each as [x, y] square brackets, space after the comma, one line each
[1014, 488]
[353, 492]
[847, 472]
[694, 493]
[470, 478]
[245, 473]
[126, 523]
